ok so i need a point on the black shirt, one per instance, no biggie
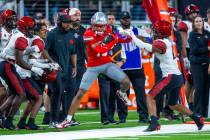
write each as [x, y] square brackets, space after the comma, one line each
[80, 45]
[60, 46]
[199, 47]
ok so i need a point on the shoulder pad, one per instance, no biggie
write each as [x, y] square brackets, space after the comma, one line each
[39, 43]
[21, 43]
[160, 45]
[182, 26]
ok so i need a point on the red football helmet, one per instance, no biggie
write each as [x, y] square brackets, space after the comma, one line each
[9, 18]
[172, 11]
[192, 8]
[162, 28]
[64, 16]
[26, 25]
[49, 76]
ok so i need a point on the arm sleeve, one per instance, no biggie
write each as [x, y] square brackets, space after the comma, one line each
[141, 44]
[104, 48]
[21, 43]
[124, 40]
[194, 47]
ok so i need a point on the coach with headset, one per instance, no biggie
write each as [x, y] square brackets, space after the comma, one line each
[60, 44]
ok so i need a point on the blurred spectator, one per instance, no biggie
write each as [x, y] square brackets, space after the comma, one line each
[137, 12]
[207, 24]
[47, 23]
[41, 30]
[39, 17]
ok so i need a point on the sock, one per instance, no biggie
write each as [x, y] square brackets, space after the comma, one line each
[69, 117]
[9, 119]
[31, 120]
[191, 106]
[23, 119]
[154, 119]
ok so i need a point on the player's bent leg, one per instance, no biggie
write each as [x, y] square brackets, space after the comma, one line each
[117, 74]
[172, 101]
[124, 86]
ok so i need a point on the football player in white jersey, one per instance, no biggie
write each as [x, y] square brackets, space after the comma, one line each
[9, 20]
[185, 27]
[172, 78]
[33, 90]
[13, 54]
[207, 24]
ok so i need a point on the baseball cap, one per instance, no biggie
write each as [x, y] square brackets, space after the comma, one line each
[124, 14]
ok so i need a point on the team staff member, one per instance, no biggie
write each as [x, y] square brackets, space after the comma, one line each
[199, 62]
[60, 44]
[133, 67]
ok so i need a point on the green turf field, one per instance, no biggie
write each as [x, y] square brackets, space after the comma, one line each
[90, 119]
[179, 136]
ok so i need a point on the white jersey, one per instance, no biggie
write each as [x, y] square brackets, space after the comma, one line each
[5, 37]
[207, 26]
[9, 50]
[189, 26]
[21, 71]
[168, 63]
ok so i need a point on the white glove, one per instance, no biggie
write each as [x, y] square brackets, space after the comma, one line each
[125, 32]
[54, 66]
[32, 49]
[37, 70]
[186, 62]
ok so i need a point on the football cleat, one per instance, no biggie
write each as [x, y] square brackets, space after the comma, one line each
[64, 124]
[21, 125]
[124, 98]
[199, 121]
[153, 127]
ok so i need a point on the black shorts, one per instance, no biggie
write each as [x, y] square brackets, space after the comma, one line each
[170, 85]
[32, 89]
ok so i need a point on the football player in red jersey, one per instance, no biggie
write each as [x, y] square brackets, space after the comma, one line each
[99, 39]
[172, 81]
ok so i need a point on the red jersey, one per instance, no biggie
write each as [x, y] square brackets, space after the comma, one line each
[99, 55]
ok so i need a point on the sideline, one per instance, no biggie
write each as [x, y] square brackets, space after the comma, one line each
[105, 133]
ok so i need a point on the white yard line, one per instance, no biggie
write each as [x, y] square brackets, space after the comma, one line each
[103, 133]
